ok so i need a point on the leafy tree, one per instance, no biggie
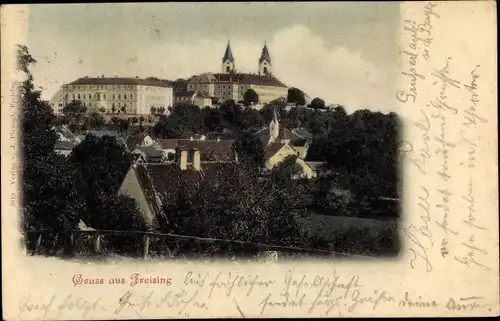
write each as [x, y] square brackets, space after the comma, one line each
[123, 109]
[96, 120]
[250, 150]
[250, 96]
[123, 125]
[50, 201]
[102, 163]
[153, 110]
[75, 111]
[297, 96]
[317, 103]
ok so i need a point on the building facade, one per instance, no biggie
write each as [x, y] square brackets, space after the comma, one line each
[116, 95]
[230, 84]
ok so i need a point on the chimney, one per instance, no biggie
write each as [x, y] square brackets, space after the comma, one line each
[181, 158]
[195, 158]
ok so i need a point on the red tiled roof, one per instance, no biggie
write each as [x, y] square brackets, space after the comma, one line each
[242, 78]
[122, 81]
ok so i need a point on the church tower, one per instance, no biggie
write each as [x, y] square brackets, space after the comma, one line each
[274, 128]
[265, 67]
[228, 64]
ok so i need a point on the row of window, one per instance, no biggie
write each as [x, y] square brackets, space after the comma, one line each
[104, 97]
[218, 86]
[101, 87]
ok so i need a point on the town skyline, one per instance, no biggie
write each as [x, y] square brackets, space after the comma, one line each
[157, 42]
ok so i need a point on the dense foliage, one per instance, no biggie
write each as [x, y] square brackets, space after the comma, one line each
[58, 192]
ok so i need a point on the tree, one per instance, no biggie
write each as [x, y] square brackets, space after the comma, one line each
[96, 120]
[317, 103]
[102, 163]
[250, 151]
[296, 96]
[50, 202]
[123, 109]
[250, 96]
[153, 110]
[75, 111]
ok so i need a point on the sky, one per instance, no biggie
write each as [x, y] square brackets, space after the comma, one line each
[344, 53]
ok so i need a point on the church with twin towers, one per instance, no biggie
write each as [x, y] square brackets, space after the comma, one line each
[230, 83]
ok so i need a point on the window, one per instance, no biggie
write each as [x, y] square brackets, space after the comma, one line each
[90, 96]
[241, 87]
[114, 96]
[119, 96]
[113, 105]
[73, 96]
[131, 96]
[104, 96]
[79, 97]
[125, 97]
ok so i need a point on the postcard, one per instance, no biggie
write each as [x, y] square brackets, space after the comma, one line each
[262, 159]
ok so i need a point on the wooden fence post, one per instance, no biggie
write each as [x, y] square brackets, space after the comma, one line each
[54, 244]
[145, 249]
[38, 243]
[98, 243]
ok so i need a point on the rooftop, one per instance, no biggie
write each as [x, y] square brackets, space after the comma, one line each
[122, 81]
[241, 78]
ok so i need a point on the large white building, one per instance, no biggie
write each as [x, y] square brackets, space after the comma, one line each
[112, 95]
[230, 84]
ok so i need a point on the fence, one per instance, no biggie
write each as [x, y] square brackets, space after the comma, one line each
[159, 245]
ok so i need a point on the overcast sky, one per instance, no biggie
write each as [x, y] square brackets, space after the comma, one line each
[342, 52]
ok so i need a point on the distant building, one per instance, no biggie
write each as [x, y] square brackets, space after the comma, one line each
[230, 84]
[198, 98]
[279, 143]
[112, 95]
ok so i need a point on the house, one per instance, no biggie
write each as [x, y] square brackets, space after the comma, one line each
[279, 151]
[213, 150]
[154, 185]
[149, 154]
[318, 168]
[202, 99]
[141, 139]
[274, 133]
[64, 147]
[184, 97]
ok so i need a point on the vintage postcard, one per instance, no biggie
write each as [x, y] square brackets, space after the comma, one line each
[262, 159]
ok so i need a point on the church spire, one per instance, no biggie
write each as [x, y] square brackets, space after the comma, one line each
[228, 55]
[274, 128]
[265, 55]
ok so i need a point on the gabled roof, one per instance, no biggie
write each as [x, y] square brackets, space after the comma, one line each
[302, 132]
[265, 55]
[272, 149]
[284, 135]
[64, 145]
[149, 151]
[228, 55]
[160, 182]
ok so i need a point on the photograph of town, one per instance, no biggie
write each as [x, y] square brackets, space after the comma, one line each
[259, 131]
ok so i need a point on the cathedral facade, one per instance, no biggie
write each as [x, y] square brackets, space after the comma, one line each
[231, 84]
